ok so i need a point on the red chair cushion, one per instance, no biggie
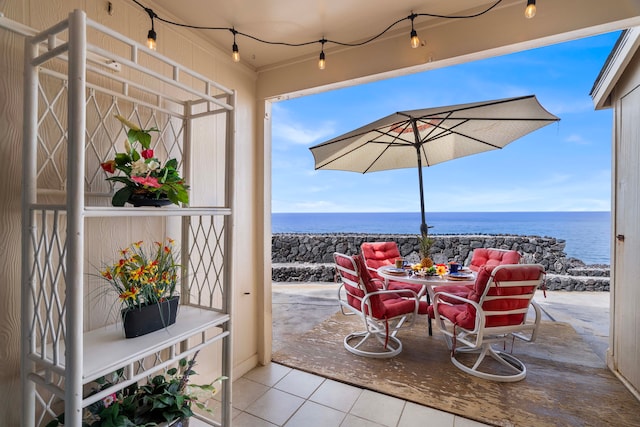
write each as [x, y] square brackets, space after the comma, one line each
[492, 257]
[383, 306]
[378, 254]
[464, 314]
[457, 290]
[395, 286]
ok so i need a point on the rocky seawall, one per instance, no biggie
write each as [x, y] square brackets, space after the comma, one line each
[298, 257]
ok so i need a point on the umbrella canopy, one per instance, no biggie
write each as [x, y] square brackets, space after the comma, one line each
[426, 137]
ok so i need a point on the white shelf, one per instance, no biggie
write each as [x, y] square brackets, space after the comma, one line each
[106, 349]
[151, 211]
[126, 211]
[57, 237]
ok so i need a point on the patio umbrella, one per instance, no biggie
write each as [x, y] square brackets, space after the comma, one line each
[429, 136]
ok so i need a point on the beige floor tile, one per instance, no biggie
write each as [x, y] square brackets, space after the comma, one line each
[336, 395]
[314, 415]
[246, 391]
[378, 407]
[299, 383]
[415, 415]
[275, 406]
[464, 422]
[268, 375]
[248, 420]
[353, 421]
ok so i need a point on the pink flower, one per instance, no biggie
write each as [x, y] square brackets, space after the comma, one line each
[147, 154]
[108, 401]
[147, 181]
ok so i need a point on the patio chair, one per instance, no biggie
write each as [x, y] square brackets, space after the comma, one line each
[380, 254]
[494, 312]
[481, 257]
[383, 312]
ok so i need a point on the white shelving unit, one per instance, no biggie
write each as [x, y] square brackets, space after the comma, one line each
[72, 90]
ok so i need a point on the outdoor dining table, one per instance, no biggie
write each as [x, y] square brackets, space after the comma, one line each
[389, 272]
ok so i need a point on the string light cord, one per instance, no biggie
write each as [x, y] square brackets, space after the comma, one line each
[323, 40]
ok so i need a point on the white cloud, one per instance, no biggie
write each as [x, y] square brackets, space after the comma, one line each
[298, 134]
[577, 139]
[288, 129]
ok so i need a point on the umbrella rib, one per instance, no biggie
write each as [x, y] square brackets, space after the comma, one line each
[339, 157]
[393, 129]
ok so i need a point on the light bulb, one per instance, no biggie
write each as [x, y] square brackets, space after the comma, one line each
[236, 53]
[415, 41]
[321, 61]
[151, 40]
[530, 11]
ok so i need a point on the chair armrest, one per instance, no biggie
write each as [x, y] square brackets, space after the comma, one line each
[480, 319]
[437, 297]
[365, 300]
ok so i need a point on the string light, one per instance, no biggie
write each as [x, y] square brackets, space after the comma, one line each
[234, 49]
[321, 59]
[530, 11]
[415, 41]
[151, 35]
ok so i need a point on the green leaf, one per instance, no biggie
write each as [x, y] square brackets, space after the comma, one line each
[122, 159]
[121, 196]
[171, 164]
[145, 139]
[135, 156]
[132, 135]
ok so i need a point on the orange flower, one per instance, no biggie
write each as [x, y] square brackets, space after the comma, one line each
[441, 269]
[129, 294]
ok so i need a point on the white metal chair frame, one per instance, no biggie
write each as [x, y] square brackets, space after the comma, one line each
[374, 273]
[481, 338]
[382, 330]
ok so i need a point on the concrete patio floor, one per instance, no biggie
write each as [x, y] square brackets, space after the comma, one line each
[298, 307]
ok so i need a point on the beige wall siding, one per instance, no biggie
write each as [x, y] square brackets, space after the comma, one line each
[624, 355]
[191, 51]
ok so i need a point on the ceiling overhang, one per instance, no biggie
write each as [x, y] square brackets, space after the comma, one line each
[285, 71]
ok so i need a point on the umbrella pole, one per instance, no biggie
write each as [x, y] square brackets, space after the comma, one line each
[424, 230]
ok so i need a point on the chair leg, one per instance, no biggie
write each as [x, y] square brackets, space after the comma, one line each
[505, 359]
[393, 347]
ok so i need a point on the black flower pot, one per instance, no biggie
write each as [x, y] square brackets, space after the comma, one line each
[138, 200]
[149, 318]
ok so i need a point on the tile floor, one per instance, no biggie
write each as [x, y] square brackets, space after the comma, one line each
[275, 395]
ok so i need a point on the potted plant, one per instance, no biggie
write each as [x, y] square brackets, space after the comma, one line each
[146, 181]
[167, 399]
[145, 279]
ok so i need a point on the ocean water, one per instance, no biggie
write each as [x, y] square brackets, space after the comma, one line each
[587, 234]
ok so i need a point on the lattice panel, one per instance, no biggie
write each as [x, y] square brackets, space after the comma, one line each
[47, 285]
[52, 133]
[105, 135]
[206, 255]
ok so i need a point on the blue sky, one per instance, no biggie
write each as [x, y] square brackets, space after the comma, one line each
[561, 167]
